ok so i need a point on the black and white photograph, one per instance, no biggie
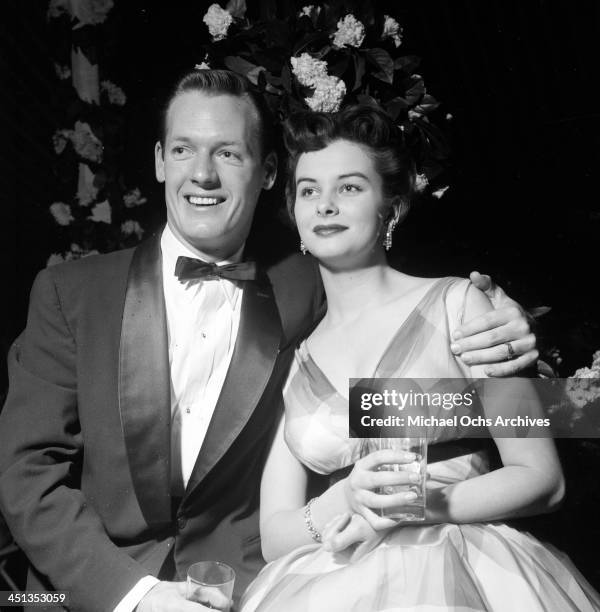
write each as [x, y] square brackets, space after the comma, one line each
[234, 230]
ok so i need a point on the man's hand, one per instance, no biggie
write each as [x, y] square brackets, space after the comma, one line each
[484, 339]
[170, 597]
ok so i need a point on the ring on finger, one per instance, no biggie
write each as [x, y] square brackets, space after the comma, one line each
[510, 351]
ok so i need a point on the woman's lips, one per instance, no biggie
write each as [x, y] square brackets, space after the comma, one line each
[329, 230]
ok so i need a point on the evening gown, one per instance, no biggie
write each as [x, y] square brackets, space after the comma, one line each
[468, 567]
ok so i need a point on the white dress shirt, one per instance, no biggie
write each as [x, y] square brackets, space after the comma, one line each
[202, 322]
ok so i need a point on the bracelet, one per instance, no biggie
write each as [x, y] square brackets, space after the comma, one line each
[316, 535]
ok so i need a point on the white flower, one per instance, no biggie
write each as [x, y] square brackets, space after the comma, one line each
[310, 11]
[87, 12]
[449, 116]
[59, 140]
[329, 93]
[86, 190]
[85, 142]
[392, 29]
[54, 259]
[134, 198]
[101, 213]
[202, 66]
[62, 72]
[438, 193]
[421, 183]
[307, 69]
[61, 213]
[115, 94]
[130, 227]
[413, 114]
[350, 32]
[218, 21]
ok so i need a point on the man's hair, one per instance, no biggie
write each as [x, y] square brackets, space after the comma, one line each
[364, 125]
[224, 82]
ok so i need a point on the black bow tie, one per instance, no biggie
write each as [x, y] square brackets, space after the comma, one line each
[188, 268]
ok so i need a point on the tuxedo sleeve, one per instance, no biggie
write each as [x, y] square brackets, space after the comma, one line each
[41, 451]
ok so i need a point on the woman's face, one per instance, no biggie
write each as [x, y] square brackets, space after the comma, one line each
[339, 206]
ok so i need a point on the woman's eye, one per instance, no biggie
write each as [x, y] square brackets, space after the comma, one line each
[307, 192]
[348, 188]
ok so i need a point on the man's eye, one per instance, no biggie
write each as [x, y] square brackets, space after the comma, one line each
[229, 155]
[178, 151]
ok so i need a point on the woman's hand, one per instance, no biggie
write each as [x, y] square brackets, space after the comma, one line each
[345, 531]
[368, 476]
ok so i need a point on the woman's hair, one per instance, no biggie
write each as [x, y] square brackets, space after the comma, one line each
[364, 125]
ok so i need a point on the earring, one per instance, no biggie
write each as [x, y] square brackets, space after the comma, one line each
[387, 241]
[303, 249]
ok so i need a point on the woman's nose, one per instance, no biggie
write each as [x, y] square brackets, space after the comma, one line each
[326, 206]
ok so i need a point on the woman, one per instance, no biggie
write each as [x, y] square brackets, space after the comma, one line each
[349, 181]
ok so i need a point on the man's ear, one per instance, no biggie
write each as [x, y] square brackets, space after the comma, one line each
[159, 163]
[270, 165]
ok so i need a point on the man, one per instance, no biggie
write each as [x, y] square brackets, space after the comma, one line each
[142, 399]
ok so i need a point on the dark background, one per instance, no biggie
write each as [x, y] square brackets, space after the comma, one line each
[520, 80]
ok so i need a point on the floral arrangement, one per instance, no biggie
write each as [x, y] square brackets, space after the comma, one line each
[320, 56]
[93, 209]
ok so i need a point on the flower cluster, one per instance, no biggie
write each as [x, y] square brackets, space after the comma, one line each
[61, 213]
[115, 94]
[130, 227]
[321, 57]
[392, 29]
[307, 69]
[218, 21]
[350, 32]
[134, 198]
[85, 142]
[87, 12]
[329, 93]
[584, 386]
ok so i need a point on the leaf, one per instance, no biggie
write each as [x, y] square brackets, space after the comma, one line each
[286, 78]
[427, 105]
[395, 106]
[364, 99]
[538, 311]
[239, 64]
[408, 63]
[340, 67]
[359, 71]
[236, 8]
[415, 91]
[383, 61]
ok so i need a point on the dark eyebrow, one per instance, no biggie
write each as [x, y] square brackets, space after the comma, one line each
[222, 143]
[341, 176]
[304, 178]
[350, 174]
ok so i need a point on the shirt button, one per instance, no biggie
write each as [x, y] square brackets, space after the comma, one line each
[181, 523]
[203, 334]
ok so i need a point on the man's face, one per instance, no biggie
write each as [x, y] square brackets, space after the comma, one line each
[212, 169]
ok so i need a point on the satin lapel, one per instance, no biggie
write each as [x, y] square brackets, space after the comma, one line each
[144, 383]
[254, 355]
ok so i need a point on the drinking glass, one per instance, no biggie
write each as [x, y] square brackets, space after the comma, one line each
[211, 584]
[412, 510]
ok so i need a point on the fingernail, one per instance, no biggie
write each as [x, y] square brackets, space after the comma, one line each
[457, 335]
[488, 372]
[411, 495]
[466, 359]
[409, 456]
[414, 477]
[455, 348]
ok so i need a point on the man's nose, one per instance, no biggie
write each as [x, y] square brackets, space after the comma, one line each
[204, 172]
[326, 206]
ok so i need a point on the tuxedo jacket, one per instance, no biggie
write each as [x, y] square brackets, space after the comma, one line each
[85, 431]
